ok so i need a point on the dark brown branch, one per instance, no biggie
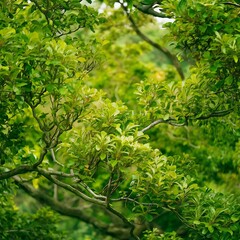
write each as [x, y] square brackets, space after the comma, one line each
[124, 220]
[174, 122]
[69, 32]
[44, 152]
[216, 114]
[18, 170]
[148, 9]
[42, 11]
[119, 232]
[232, 4]
[160, 48]
[23, 168]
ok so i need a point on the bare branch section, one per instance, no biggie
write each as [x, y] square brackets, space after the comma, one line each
[119, 232]
[160, 48]
[44, 12]
[149, 9]
[232, 4]
[169, 121]
[18, 170]
[70, 188]
[23, 168]
[174, 122]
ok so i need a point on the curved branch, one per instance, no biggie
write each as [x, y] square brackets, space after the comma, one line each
[125, 221]
[44, 12]
[122, 232]
[160, 48]
[24, 168]
[127, 199]
[44, 152]
[169, 121]
[70, 31]
[148, 9]
[70, 188]
[174, 122]
[232, 4]
[18, 170]
[216, 114]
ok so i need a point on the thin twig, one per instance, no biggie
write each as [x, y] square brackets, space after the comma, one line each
[70, 188]
[69, 32]
[54, 158]
[61, 174]
[134, 201]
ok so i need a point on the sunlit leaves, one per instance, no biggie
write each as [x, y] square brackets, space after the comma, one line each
[50, 108]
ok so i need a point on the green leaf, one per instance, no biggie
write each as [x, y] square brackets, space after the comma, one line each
[197, 222]
[229, 80]
[103, 156]
[235, 57]
[182, 6]
[148, 217]
[113, 163]
[235, 218]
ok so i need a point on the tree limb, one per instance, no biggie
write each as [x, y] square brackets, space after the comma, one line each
[169, 121]
[18, 170]
[216, 114]
[174, 122]
[23, 168]
[70, 188]
[122, 232]
[160, 48]
[232, 4]
[148, 9]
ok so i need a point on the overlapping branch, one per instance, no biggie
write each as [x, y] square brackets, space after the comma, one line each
[174, 122]
[119, 232]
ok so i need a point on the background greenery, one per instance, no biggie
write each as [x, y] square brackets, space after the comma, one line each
[114, 125]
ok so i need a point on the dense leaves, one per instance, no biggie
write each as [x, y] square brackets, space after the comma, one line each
[98, 122]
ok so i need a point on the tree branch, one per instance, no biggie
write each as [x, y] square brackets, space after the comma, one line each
[44, 12]
[69, 32]
[174, 122]
[121, 232]
[18, 170]
[164, 50]
[148, 9]
[169, 121]
[44, 152]
[70, 188]
[23, 168]
[216, 114]
[232, 4]
[124, 220]
[127, 199]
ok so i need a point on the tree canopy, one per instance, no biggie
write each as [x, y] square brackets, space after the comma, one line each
[119, 120]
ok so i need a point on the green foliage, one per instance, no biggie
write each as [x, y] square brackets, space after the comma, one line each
[16, 225]
[80, 95]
